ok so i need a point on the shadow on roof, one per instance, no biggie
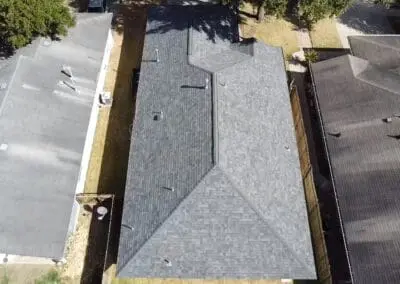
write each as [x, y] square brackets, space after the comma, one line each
[215, 21]
[368, 18]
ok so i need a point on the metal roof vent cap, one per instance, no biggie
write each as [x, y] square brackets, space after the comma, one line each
[167, 262]
[3, 147]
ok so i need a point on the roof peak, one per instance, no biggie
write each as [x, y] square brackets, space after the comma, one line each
[236, 216]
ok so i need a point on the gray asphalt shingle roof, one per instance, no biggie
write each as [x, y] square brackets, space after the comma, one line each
[44, 124]
[237, 209]
[354, 97]
[381, 50]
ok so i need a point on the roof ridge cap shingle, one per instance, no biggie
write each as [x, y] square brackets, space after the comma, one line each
[284, 244]
[366, 38]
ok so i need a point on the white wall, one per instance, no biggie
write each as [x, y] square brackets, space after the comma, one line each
[87, 150]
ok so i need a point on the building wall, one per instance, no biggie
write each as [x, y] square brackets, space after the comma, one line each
[313, 209]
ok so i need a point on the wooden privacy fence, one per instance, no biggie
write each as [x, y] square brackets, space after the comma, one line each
[314, 216]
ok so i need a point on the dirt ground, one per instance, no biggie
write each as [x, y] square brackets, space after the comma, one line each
[272, 31]
[109, 158]
[23, 273]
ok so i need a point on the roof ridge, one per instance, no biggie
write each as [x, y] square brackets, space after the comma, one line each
[132, 255]
[375, 83]
[353, 60]
[293, 253]
[366, 38]
[193, 59]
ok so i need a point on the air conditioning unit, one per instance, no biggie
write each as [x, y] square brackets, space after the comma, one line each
[105, 99]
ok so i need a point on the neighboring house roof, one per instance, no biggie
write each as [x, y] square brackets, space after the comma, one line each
[381, 50]
[355, 97]
[214, 188]
[44, 123]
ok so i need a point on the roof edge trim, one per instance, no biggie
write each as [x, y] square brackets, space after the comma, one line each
[321, 123]
[11, 82]
[214, 117]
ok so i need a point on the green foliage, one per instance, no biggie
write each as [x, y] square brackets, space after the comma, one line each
[21, 20]
[52, 277]
[387, 3]
[311, 56]
[311, 11]
[5, 279]
[275, 7]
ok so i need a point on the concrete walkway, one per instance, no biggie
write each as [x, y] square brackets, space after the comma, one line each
[304, 41]
[303, 38]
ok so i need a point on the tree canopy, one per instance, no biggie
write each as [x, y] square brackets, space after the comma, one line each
[271, 7]
[311, 11]
[21, 21]
[387, 3]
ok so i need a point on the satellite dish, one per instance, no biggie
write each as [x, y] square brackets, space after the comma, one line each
[101, 212]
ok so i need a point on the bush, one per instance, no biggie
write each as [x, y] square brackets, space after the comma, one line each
[21, 20]
[311, 56]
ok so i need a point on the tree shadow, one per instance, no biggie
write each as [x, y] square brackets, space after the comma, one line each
[214, 21]
[98, 240]
[367, 18]
[79, 5]
[131, 24]
[333, 233]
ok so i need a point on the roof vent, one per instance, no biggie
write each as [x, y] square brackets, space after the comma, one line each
[397, 137]
[3, 85]
[157, 115]
[3, 147]
[335, 134]
[157, 55]
[67, 70]
[387, 120]
[128, 227]
[169, 188]
[167, 262]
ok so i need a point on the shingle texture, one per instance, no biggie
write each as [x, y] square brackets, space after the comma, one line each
[382, 50]
[44, 123]
[228, 151]
[355, 96]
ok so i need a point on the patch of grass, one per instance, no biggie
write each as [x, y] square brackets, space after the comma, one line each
[272, 31]
[51, 277]
[324, 34]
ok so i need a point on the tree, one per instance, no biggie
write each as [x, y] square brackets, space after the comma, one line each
[311, 11]
[387, 3]
[21, 21]
[271, 7]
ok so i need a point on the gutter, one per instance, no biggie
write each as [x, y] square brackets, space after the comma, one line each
[321, 122]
